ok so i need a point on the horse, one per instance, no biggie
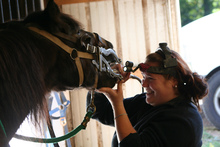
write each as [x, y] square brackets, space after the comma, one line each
[33, 64]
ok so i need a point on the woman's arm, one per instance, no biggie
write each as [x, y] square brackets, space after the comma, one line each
[122, 123]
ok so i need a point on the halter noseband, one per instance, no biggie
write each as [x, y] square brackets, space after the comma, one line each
[90, 54]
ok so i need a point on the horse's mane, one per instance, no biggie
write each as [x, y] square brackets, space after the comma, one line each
[22, 80]
[21, 74]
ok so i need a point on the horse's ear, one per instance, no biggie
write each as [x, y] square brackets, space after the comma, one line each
[52, 9]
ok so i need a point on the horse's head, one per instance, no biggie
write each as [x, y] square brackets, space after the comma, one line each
[96, 71]
[105, 58]
[45, 52]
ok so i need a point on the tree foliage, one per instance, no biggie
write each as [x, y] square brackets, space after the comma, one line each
[195, 9]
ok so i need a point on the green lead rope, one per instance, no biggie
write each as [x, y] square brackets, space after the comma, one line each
[58, 139]
[3, 128]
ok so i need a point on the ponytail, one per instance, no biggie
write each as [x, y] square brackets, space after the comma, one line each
[190, 84]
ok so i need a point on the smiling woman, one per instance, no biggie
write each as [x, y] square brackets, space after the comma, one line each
[158, 90]
[166, 114]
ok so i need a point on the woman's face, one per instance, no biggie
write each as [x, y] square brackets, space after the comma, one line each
[159, 90]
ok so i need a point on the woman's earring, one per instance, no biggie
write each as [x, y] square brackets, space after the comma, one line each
[175, 86]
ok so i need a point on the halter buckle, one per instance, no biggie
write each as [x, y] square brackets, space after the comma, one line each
[74, 54]
[91, 49]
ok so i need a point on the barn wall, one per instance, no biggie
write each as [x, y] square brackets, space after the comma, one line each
[134, 27]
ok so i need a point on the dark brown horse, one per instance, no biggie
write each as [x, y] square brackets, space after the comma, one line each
[32, 65]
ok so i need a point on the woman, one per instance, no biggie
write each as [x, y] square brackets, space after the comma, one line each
[164, 116]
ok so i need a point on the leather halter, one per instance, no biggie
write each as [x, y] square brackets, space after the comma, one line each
[74, 54]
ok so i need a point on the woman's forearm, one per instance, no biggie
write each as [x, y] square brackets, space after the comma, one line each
[122, 123]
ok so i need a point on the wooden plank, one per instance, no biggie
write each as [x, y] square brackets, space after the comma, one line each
[132, 38]
[77, 117]
[69, 117]
[131, 26]
[62, 2]
[176, 23]
[107, 133]
[146, 26]
[117, 28]
[161, 23]
[92, 133]
[86, 137]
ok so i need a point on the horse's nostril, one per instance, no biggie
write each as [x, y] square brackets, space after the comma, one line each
[85, 40]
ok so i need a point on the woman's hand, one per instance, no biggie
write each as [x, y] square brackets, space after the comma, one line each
[116, 95]
[122, 123]
[126, 75]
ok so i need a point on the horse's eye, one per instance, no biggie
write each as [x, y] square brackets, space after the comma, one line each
[78, 32]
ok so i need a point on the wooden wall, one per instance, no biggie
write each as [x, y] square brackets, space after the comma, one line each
[135, 28]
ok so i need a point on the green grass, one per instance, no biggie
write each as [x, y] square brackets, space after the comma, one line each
[209, 140]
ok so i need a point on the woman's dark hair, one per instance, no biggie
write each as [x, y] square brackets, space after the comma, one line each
[190, 84]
